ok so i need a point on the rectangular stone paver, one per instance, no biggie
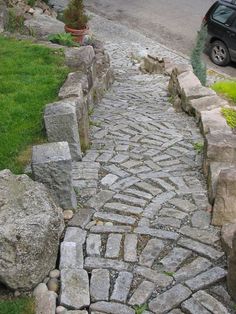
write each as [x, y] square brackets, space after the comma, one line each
[119, 207]
[100, 199]
[169, 299]
[206, 236]
[98, 262]
[174, 259]
[168, 221]
[163, 198]
[74, 288]
[81, 218]
[162, 234]
[200, 248]
[110, 229]
[151, 252]
[119, 158]
[151, 210]
[206, 279]
[130, 248]
[184, 205]
[171, 212]
[105, 157]
[100, 285]
[124, 183]
[130, 199]
[126, 220]
[139, 193]
[93, 245]
[116, 170]
[109, 179]
[149, 188]
[193, 307]
[122, 287]
[71, 255]
[160, 279]
[210, 303]
[142, 293]
[191, 270]
[111, 307]
[113, 245]
[74, 234]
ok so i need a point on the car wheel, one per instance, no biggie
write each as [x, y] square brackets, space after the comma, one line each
[219, 53]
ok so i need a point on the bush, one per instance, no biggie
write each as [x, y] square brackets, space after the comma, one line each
[74, 15]
[64, 39]
[199, 67]
[15, 23]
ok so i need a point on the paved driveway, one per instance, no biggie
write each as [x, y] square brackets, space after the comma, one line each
[172, 23]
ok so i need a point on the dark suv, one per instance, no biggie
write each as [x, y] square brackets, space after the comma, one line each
[221, 24]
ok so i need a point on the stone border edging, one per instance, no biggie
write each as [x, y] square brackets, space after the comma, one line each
[67, 127]
[219, 157]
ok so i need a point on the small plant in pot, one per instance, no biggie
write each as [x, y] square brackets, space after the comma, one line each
[76, 20]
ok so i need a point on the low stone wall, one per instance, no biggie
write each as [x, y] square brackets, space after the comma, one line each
[67, 120]
[219, 155]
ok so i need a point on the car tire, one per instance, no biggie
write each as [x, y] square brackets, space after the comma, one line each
[219, 53]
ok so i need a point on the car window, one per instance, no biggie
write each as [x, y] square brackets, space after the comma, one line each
[222, 13]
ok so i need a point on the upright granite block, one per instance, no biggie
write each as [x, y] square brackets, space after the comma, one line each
[224, 210]
[61, 125]
[213, 175]
[212, 121]
[79, 58]
[206, 103]
[231, 277]
[52, 165]
[72, 91]
[219, 147]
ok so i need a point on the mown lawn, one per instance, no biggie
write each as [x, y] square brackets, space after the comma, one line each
[24, 305]
[30, 77]
[226, 88]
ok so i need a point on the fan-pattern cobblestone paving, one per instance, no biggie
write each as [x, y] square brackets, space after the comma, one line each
[143, 231]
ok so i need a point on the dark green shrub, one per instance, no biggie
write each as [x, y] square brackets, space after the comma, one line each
[31, 2]
[74, 15]
[199, 67]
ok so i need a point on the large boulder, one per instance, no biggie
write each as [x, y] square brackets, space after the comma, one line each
[30, 228]
[43, 25]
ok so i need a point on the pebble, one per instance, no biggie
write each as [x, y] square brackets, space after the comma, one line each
[53, 285]
[68, 214]
[61, 310]
[55, 273]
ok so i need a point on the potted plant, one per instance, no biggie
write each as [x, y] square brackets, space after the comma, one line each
[76, 20]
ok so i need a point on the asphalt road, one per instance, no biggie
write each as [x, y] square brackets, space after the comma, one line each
[173, 23]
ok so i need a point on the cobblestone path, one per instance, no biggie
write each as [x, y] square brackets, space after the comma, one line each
[146, 234]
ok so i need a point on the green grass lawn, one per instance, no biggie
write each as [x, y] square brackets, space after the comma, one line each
[30, 77]
[226, 88]
[230, 116]
[22, 305]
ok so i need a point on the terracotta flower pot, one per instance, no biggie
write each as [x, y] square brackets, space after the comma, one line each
[78, 34]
